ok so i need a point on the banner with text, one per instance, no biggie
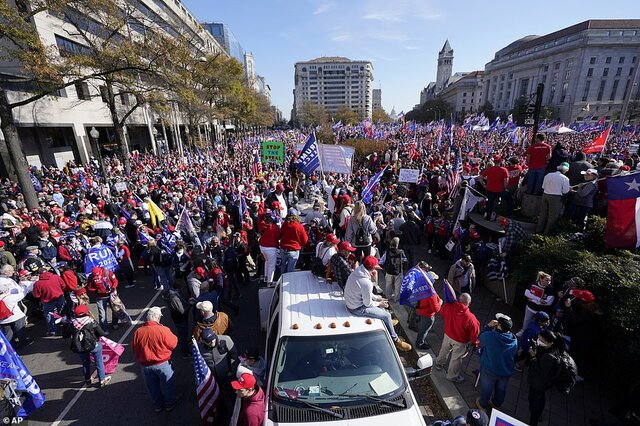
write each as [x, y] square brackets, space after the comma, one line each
[273, 152]
[334, 158]
[409, 175]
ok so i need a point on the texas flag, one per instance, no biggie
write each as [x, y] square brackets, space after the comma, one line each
[597, 145]
[623, 211]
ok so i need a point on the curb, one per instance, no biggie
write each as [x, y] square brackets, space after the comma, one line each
[448, 394]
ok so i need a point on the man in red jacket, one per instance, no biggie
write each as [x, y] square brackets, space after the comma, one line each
[152, 344]
[293, 237]
[49, 289]
[252, 400]
[461, 327]
[103, 282]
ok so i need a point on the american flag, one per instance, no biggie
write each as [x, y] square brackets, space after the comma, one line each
[207, 388]
[453, 174]
[256, 167]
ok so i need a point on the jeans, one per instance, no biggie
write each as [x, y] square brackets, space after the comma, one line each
[492, 384]
[289, 259]
[15, 329]
[377, 313]
[392, 285]
[101, 304]
[48, 308]
[165, 276]
[425, 325]
[86, 362]
[160, 383]
[534, 181]
[270, 255]
[536, 405]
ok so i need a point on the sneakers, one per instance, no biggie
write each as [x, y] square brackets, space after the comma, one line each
[88, 382]
[439, 367]
[458, 379]
[394, 321]
[105, 381]
[423, 346]
[402, 346]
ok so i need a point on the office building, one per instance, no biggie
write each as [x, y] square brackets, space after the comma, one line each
[334, 82]
[377, 99]
[443, 74]
[463, 92]
[226, 39]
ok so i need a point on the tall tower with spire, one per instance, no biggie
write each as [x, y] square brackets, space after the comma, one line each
[445, 66]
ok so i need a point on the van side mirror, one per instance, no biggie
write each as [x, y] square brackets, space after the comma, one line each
[423, 368]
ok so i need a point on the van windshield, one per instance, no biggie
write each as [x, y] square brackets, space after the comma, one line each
[343, 368]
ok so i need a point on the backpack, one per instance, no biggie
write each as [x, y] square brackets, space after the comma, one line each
[230, 259]
[362, 238]
[317, 267]
[83, 340]
[393, 263]
[565, 379]
[82, 279]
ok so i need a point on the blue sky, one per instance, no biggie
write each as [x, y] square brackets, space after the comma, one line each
[401, 37]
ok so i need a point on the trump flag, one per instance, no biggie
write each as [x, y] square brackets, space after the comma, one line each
[309, 160]
[416, 285]
[623, 211]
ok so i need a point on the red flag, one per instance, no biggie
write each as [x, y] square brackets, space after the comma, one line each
[597, 145]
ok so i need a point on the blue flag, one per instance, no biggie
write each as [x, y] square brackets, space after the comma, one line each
[125, 213]
[416, 285]
[367, 192]
[308, 160]
[83, 180]
[168, 242]
[36, 183]
[12, 368]
[100, 256]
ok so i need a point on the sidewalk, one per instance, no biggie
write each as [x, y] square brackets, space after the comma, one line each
[587, 401]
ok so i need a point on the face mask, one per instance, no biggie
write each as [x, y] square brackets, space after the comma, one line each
[180, 253]
[541, 344]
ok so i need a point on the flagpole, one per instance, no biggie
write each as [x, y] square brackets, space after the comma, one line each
[319, 155]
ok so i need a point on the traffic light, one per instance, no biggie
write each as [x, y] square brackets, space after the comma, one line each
[530, 115]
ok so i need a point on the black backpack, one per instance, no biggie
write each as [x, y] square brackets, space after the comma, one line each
[83, 340]
[362, 238]
[393, 262]
[317, 267]
[567, 373]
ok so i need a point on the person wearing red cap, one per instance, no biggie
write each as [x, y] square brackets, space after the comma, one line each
[103, 282]
[360, 300]
[327, 248]
[339, 264]
[49, 289]
[279, 197]
[252, 405]
[495, 180]
[85, 335]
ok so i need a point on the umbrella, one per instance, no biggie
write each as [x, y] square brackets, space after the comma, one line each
[102, 224]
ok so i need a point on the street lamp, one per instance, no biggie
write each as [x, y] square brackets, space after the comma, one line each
[95, 135]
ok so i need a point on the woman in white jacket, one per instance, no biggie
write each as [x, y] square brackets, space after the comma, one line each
[11, 294]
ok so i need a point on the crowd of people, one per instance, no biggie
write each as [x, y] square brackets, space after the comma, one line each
[207, 224]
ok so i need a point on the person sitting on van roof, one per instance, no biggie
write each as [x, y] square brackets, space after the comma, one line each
[360, 300]
[339, 263]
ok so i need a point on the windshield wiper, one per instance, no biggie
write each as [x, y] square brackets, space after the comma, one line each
[314, 406]
[373, 398]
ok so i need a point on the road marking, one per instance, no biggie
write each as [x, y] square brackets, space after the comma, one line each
[124, 336]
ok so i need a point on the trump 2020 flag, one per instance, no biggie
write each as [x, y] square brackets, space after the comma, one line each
[416, 285]
[101, 256]
[308, 160]
[207, 388]
[12, 369]
[623, 211]
[367, 192]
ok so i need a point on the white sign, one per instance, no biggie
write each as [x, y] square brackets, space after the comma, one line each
[500, 419]
[633, 148]
[120, 186]
[334, 158]
[409, 175]
[63, 157]
[34, 160]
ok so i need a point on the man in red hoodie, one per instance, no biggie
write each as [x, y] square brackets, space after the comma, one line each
[461, 327]
[252, 400]
[103, 282]
[49, 289]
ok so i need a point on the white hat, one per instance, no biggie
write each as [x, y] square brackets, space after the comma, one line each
[256, 199]
[155, 310]
[589, 172]
[205, 306]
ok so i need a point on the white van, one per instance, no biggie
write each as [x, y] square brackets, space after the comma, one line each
[328, 366]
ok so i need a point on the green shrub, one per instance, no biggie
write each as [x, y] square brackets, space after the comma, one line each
[365, 147]
[325, 135]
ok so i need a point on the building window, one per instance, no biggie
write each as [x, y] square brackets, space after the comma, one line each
[563, 93]
[619, 72]
[552, 93]
[592, 60]
[601, 89]
[569, 63]
[567, 75]
[68, 47]
[631, 71]
[510, 76]
[545, 68]
[605, 72]
[464, 95]
[608, 60]
[621, 60]
[614, 89]
[464, 101]
[556, 66]
[585, 92]
[82, 90]
[555, 77]
[590, 72]
[124, 98]
[626, 89]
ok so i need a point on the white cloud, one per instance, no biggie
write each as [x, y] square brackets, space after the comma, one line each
[400, 11]
[342, 37]
[389, 16]
[323, 8]
[412, 47]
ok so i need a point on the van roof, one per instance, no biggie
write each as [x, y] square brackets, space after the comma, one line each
[307, 301]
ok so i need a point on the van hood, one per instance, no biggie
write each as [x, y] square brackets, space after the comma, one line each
[409, 417]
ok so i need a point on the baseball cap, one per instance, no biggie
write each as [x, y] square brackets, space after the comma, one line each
[563, 165]
[497, 158]
[589, 172]
[584, 295]
[370, 262]
[331, 238]
[200, 271]
[205, 306]
[246, 381]
[207, 335]
[156, 310]
[1, 243]
[477, 418]
[505, 322]
[279, 187]
[346, 245]
[81, 310]
[541, 316]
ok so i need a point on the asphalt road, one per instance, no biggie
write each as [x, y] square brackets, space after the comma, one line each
[58, 371]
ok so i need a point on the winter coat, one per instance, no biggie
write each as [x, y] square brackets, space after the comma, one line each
[498, 351]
